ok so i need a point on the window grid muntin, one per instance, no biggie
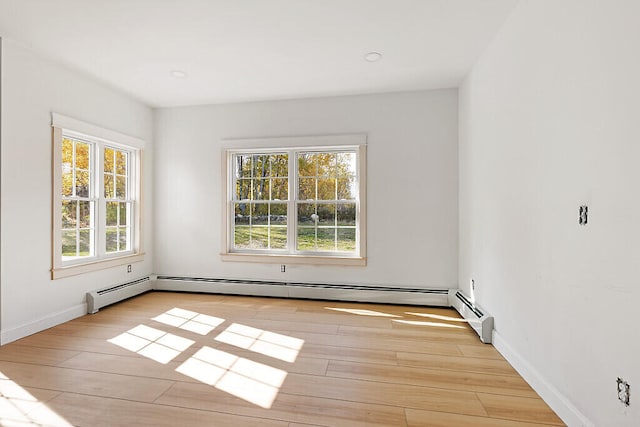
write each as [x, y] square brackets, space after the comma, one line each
[270, 226]
[76, 199]
[123, 232]
[98, 230]
[330, 172]
[293, 201]
[249, 161]
[252, 162]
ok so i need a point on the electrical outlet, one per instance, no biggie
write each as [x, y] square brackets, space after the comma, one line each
[624, 390]
[129, 268]
[283, 268]
[583, 215]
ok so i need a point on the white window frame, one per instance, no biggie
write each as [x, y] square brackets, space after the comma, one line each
[99, 139]
[336, 143]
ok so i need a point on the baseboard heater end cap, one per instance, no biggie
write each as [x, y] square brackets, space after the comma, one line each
[476, 316]
[106, 296]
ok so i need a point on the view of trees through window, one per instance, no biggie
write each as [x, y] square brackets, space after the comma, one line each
[78, 208]
[262, 191]
[324, 197]
[326, 202]
[116, 177]
[80, 201]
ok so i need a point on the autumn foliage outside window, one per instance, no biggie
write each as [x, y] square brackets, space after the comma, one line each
[295, 202]
[97, 202]
[78, 202]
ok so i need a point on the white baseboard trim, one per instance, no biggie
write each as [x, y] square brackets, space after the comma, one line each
[49, 321]
[556, 400]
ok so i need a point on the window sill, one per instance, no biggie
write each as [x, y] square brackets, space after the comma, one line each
[295, 259]
[73, 270]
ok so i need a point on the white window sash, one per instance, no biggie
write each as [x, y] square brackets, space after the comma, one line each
[293, 145]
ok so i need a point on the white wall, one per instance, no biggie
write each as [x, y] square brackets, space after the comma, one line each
[33, 87]
[548, 122]
[412, 184]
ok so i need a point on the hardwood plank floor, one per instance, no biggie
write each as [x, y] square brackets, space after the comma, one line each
[168, 359]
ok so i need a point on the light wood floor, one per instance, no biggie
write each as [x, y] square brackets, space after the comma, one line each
[172, 359]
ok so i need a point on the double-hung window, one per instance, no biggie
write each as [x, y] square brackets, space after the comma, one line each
[96, 197]
[304, 203]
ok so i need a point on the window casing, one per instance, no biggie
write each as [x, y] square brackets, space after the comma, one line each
[296, 204]
[96, 199]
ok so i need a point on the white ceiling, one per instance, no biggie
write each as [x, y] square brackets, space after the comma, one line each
[247, 50]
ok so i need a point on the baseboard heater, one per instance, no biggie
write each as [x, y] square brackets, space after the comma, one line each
[326, 291]
[477, 318]
[107, 296]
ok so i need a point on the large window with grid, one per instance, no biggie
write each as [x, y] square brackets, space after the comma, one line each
[302, 202]
[96, 198]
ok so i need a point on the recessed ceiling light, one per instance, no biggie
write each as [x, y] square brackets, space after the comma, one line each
[178, 74]
[373, 56]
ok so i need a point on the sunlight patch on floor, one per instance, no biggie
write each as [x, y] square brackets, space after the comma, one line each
[402, 319]
[189, 320]
[270, 344]
[153, 343]
[438, 317]
[19, 408]
[362, 312]
[423, 323]
[246, 379]
[251, 381]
